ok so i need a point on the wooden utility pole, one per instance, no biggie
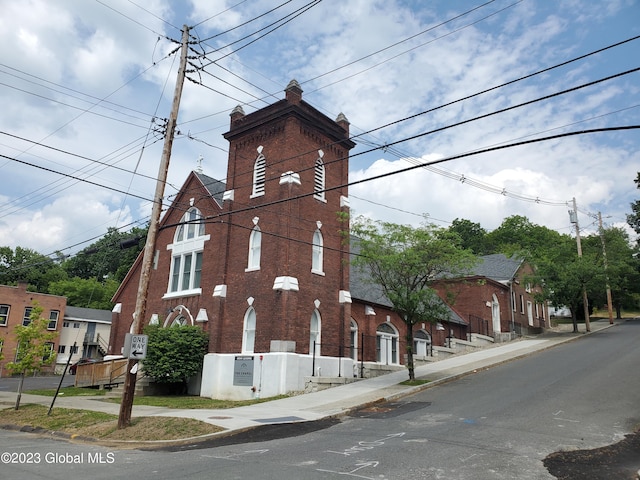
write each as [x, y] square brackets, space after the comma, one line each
[585, 299]
[606, 268]
[124, 419]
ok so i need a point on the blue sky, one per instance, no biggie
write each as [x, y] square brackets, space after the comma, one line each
[83, 80]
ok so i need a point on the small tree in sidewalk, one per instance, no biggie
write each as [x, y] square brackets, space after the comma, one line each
[403, 261]
[34, 348]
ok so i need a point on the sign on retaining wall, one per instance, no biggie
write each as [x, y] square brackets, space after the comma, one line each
[243, 371]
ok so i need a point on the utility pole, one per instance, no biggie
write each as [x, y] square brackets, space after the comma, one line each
[124, 419]
[573, 215]
[606, 268]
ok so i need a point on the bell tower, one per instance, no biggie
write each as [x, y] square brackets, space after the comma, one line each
[286, 272]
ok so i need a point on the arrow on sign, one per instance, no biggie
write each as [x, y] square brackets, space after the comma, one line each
[136, 353]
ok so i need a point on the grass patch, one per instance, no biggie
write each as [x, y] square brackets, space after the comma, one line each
[104, 426]
[190, 401]
[68, 392]
[415, 382]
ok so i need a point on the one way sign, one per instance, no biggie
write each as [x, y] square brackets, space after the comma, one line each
[135, 346]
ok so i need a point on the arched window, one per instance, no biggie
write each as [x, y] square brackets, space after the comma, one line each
[249, 331]
[191, 226]
[259, 176]
[178, 317]
[255, 247]
[314, 336]
[386, 344]
[186, 261]
[353, 343]
[421, 342]
[319, 180]
[317, 252]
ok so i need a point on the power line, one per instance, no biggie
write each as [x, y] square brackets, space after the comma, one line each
[413, 167]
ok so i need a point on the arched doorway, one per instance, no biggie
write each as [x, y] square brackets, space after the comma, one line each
[387, 344]
[495, 314]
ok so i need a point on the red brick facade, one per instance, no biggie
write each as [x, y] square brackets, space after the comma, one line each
[15, 300]
[291, 136]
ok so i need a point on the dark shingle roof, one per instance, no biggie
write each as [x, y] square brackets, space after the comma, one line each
[87, 314]
[215, 187]
[362, 289]
[497, 267]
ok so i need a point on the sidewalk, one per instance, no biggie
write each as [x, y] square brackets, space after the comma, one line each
[337, 400]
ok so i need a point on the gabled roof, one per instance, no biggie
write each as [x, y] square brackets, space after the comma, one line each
[364, 290]
[497, 267]
[87, 314]
[215, 187]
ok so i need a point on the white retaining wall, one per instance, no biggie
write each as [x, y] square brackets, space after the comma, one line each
[273, 374]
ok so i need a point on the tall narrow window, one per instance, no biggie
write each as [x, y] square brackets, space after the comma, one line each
[314, 335]
[317, 252]
[259, 176]
[53, 320]
[353, 327]
[249, 331]
[255, 246]
[187, 248]
[4, 315]
[319, 180]
[26, 319]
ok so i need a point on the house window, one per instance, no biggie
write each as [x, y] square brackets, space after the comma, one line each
[4, 315]
[48, 351]
[353, 344]
[319, 180]
[255, 247]
[62, 348]
[314, 335]
[513, 301]
[1, 344]
[76, 324]
[74, 349]
[186, 272]
[317, 253]
[26, 319]
[65, 324]
[187, 256]
[522, 304]
[259, 175]
[53, 320]
[249, 331]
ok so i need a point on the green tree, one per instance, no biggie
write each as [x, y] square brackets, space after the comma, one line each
[89, 293]
[111, 256]
[404, 261]
[26, 265]
[473, 237]
[175, 354]
[623, 269]
[517, 235]
[563, 275]
[35, 348]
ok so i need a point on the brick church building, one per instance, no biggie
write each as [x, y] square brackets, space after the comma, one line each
[260, 262]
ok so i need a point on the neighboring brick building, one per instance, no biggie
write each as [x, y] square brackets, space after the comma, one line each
[15, 308]
[496, 298]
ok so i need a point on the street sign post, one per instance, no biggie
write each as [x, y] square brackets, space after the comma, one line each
[135, 346]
